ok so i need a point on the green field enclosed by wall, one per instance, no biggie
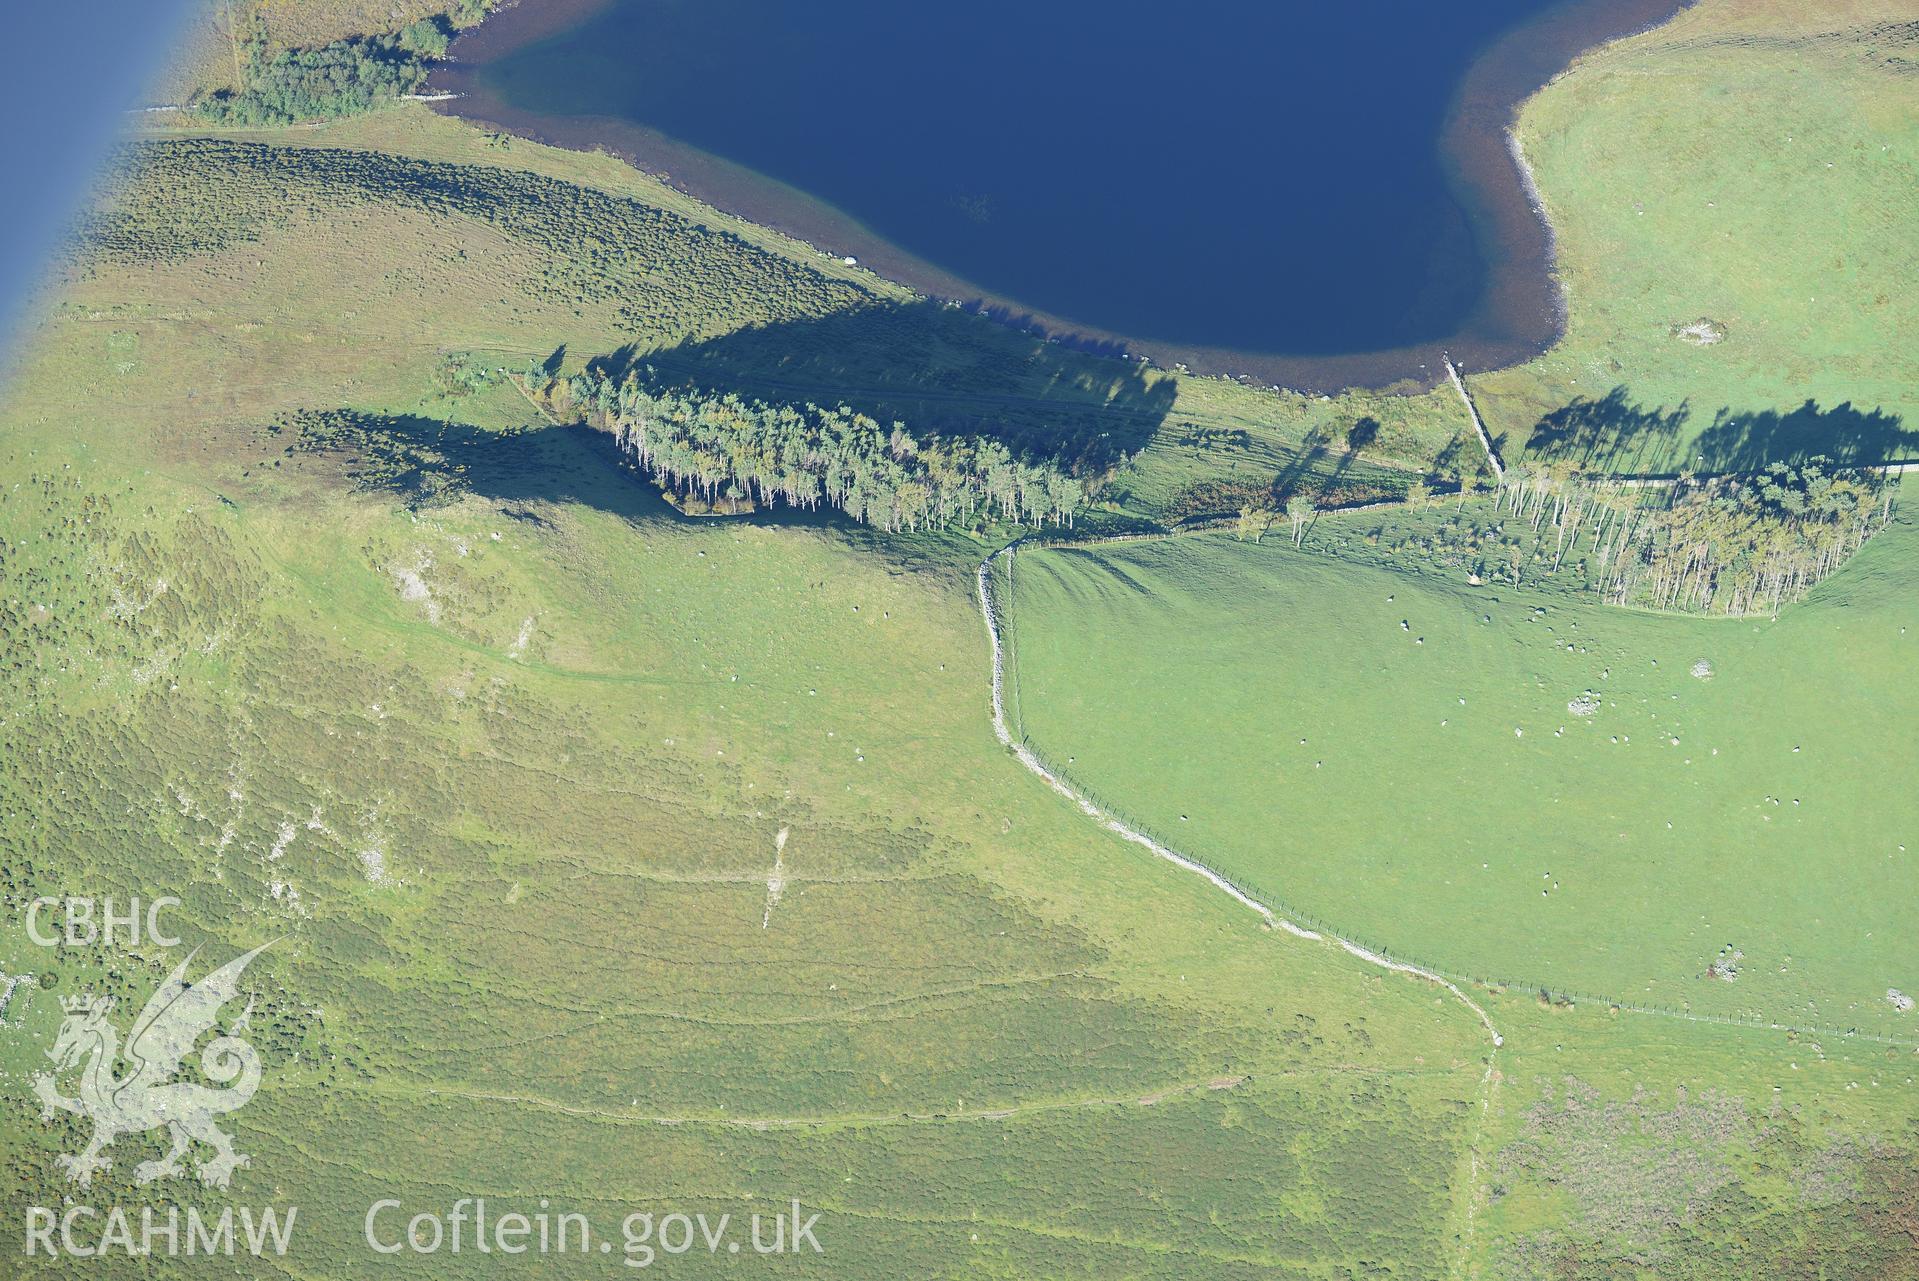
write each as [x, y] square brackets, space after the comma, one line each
[1501, 784]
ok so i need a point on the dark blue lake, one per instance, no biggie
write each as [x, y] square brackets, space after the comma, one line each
[1218, 180]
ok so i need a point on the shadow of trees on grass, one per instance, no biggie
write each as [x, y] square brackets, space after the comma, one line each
[1610, 433]
[938, 370]
[424, 462]
[1854, 437]
[1613, 433]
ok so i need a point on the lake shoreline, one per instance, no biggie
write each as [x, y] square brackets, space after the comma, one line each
[1520, 314]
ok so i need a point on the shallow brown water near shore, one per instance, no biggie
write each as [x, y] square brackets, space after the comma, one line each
[1511, 308]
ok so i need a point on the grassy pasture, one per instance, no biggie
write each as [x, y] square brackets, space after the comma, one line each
[975, 1033]
[503, 758]
[534, 787]
[536, 739]
[1750, 164]
[1395, 754]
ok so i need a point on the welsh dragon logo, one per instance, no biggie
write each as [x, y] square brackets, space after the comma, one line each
[143, 1097]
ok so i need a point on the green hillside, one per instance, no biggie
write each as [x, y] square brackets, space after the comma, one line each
[1504, 783]
[646, 865]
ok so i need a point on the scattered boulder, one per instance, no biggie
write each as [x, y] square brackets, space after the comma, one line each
[8, 984]
[1703, 332]
[1726, 964]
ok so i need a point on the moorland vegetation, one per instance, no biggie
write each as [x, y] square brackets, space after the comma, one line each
[348, 647]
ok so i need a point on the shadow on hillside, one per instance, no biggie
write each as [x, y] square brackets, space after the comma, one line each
[1608, 434]
[1859, 438]
[1614, 434]
[936, 368]
[424, 462]
[1036, 327]
[1327, 477]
